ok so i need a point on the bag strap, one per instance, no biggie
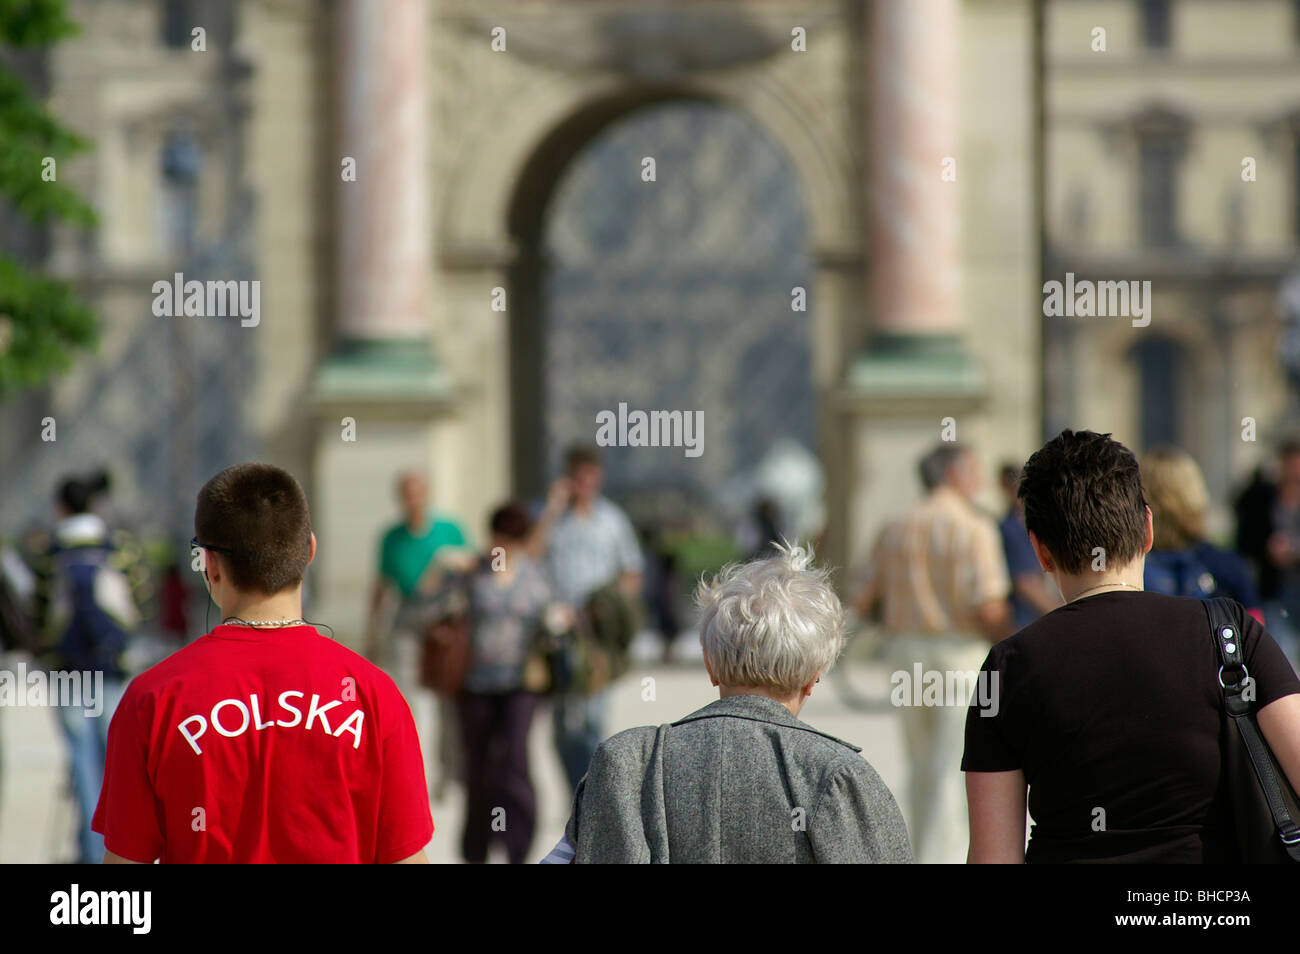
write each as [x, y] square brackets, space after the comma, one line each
[1234, 678]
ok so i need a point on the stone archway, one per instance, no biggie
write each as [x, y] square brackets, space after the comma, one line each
[488, 232]
[493, 205]
[672, 295]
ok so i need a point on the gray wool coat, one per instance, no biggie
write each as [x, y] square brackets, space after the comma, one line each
[740, 781]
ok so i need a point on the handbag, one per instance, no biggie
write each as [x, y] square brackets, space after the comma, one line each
[610, 619]
[1264, 806]
[577, 665]
[537, 675]
[445, 655]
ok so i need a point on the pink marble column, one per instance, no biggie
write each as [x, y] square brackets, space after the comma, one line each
[385, 220]
[914, 212]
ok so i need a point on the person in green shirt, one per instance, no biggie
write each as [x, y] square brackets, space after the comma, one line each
[409, 554]
[405, 554]
[408, 551]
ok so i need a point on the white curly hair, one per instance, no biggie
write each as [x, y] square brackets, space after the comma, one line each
[774, 623]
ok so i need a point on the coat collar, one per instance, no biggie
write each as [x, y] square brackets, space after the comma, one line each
[758, 709]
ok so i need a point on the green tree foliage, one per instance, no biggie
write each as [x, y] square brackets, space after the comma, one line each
[42, 322]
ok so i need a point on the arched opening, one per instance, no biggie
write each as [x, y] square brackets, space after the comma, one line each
[676, 294]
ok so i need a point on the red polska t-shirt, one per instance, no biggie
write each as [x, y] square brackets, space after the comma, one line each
[272, 745]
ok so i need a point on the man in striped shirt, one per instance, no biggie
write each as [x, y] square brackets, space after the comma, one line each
[938, 584]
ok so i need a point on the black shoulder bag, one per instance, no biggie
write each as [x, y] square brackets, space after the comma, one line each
[1264, 807]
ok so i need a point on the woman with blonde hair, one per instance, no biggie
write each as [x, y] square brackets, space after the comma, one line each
[1182, 562]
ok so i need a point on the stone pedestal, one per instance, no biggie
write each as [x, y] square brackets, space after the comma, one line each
[397, 404]
[890, 412]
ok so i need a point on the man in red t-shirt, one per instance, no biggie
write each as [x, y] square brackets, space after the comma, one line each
[262, 741]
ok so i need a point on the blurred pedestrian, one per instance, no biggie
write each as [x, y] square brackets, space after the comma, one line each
[509, 598]
[173, 604]
[1031, 589]
[92, 614]
[408, 551]
[763, 534]
[1268, 534]
[938, 583]
[662, 581]
[17, 592]
[17, 626]
[1182, 562]
[592, 554]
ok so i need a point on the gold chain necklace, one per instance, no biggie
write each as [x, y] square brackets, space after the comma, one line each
[236, 621]
[1099, 586]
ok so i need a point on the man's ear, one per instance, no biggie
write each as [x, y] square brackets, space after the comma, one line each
[1151, 532]
[311, 553]
[1044, 555]
[712, 678]
[212, 565]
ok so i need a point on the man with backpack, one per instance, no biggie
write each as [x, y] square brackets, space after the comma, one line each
[596, 566]
[90, 615]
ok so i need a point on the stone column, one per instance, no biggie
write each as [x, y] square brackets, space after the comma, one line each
[385, 247]
[913, 57]
[382, 374]
[916, 369]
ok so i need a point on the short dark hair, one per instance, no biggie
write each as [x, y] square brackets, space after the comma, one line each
[935, 465]
[581, 455]
[511, 521]
[257, 515]
[1083, 490]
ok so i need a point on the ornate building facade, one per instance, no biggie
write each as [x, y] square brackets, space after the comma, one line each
[499, 267]
[1171, 157]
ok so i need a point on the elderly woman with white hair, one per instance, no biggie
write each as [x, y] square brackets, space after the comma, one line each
[743, 780]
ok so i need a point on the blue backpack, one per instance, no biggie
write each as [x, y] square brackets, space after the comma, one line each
[94, 610]
[1179, 573]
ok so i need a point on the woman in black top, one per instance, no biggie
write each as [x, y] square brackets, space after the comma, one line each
[1108, 708]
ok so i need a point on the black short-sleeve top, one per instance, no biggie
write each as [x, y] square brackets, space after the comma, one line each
[1111, 707]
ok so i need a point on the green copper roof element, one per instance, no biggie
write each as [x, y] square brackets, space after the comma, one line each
[382, 370]
[897, 365]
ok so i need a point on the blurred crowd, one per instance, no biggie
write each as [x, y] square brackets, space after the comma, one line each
[548, 606]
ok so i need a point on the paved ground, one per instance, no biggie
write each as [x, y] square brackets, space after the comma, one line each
[36, 816]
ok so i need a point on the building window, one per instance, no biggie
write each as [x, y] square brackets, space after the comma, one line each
[1155, 24]
[1158, 188]
[177, 22]
[179, 165]
[1159, 364]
